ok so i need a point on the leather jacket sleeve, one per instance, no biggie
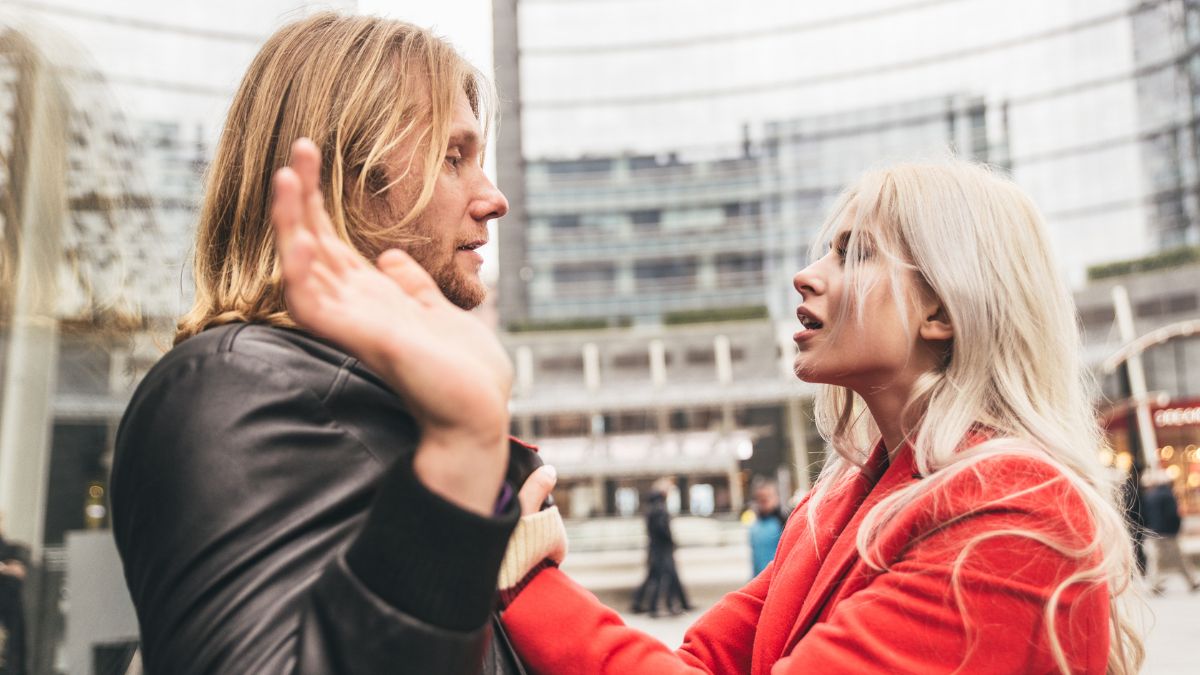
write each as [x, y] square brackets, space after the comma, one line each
[241, 476]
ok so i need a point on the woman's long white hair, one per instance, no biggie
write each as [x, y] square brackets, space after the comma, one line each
[1014, 366]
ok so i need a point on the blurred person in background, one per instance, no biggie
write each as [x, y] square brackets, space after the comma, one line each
[767, 527]
[277, 506]
[662, 576]
[1161, 511]
[1135, 514]
[963, 521]
[13, 569]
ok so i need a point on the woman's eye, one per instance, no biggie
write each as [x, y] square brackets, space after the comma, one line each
[454, 160]
[861, 255]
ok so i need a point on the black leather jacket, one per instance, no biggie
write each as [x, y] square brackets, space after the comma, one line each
[246, 463]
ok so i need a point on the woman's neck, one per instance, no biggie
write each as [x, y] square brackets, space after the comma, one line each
[887, 409]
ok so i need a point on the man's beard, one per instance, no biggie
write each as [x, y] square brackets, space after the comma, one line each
[463, 289]
[466, 293]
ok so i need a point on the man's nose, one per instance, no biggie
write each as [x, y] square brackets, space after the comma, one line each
[490, 203]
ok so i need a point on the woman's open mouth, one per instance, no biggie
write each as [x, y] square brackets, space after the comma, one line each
[809, 323]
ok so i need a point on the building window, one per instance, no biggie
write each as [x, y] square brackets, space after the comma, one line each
[646, 219]
[701, 499]
[584, 279]
[579, 168]
[1168, 304]
[1097, 317]
[741, 211]
[570, 363]
[566, 221]
[639, 360]
[740, 269]
[667, 273]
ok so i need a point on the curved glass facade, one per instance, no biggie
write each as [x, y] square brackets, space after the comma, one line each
[1089, 104]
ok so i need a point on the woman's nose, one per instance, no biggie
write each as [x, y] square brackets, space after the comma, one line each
[808, 282]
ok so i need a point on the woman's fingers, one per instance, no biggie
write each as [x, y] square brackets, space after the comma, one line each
[537, 487]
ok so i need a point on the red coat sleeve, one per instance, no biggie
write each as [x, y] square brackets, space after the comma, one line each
[560, 628]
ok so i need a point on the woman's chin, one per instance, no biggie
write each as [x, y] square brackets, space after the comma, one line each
[806, 373]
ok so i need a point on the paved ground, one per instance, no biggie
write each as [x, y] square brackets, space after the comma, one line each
[1173, 645]
[1173, 619]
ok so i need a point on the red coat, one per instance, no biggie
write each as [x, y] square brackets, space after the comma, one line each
[820, 608]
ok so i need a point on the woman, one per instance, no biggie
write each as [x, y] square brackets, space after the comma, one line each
[962, 523]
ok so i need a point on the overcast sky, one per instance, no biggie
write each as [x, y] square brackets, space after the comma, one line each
[466, 23]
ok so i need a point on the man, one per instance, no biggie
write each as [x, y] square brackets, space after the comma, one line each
[662, 577]
[1161, 511]
[13, 559]
[278, 507]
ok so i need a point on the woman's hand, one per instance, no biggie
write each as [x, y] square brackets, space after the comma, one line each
[448, 367]
[537, 489]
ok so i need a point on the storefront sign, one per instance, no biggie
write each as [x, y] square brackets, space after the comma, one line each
[1177, 417]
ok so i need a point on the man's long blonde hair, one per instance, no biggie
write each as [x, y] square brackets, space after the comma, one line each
[360, 87]
[1014, 367]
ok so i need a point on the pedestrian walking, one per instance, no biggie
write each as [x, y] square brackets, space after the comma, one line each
[662, 575]
[1161, 511]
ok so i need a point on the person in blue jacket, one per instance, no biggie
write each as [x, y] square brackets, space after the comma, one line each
[767, 526]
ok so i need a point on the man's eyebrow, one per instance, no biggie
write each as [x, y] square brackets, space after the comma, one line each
[464, 137]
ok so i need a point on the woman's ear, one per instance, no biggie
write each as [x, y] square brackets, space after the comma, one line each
[935, 327]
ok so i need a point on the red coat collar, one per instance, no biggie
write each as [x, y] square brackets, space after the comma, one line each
[843, 513]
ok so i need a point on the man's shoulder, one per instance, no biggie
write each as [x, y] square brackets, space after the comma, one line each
[260, 341]
[300, 357]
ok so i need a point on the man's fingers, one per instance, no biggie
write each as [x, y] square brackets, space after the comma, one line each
[286, 210]
[412, 278]
[536, 488]
[306, 161]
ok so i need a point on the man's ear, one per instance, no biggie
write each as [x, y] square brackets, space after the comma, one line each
[936, 325]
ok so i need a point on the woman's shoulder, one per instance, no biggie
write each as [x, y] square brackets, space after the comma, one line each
[1014, 484]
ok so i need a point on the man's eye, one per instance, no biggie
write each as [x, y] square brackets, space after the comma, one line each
[454, 160]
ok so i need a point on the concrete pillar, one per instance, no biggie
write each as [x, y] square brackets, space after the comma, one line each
[1137, 378]
[591, 366]
[737, 496]
[658, 363]
[797, 424]
[515, 270]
